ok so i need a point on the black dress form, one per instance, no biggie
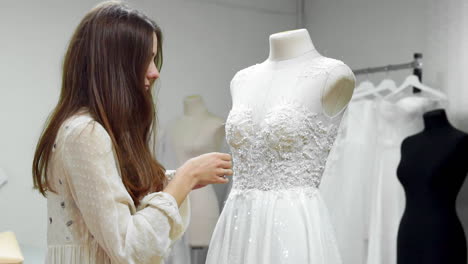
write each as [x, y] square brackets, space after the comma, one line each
[433, 167]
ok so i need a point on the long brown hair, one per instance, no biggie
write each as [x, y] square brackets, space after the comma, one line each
[104, 71]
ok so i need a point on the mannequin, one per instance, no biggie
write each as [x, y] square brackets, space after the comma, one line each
[195, 133]
[432, 170]
[283, 121]
[341, 81]
[291, 50]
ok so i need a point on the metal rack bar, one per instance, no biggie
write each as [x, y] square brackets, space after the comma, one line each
[415, 64]
[390, 67]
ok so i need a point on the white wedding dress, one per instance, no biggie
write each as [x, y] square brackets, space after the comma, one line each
[349, 179]
[275, 213]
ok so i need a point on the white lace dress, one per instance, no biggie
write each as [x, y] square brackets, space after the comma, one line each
[275, 213]
[91, 217]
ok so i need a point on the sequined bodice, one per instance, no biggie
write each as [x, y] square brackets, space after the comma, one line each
[287, 149]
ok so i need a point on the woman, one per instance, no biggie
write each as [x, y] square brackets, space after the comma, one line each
[109, 200]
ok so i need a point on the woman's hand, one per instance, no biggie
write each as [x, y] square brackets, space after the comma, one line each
[209, 168]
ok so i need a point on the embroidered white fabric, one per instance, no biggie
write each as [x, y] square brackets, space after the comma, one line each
[289, 149]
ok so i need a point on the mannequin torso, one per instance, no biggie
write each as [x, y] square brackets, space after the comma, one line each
[432, 170]
[285, 75]
[208, 130]
[280, 136]
[195, 133]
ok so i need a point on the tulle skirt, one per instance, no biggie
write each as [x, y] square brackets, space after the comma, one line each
[274, 227]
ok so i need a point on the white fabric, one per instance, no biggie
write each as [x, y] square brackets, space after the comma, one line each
[360, 186]
[396, 121]
[263, 227]
[280, 143]
[10, 252]
[349, 178]
[91, 217]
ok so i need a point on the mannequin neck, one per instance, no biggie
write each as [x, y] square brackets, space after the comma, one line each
[435, 119]
[194, 106]
[290, 44]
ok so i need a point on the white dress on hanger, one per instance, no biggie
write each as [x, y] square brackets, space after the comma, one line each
[396, 121]
[275, 213]
[348, 179]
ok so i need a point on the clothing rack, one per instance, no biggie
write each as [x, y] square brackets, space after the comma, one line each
[416, 65]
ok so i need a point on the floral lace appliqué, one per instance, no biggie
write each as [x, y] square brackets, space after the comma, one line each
[288, 149]
[319, 66]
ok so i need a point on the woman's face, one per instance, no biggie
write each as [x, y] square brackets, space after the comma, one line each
[152, 73]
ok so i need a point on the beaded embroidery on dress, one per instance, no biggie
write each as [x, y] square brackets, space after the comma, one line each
[274, 213]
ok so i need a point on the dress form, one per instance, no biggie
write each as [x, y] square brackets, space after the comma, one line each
[432, 170]
[340, 84]
[290, 52]
[283, 122]
[195, 133]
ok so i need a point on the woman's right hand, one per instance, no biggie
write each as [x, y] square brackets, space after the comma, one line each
[197, 172]
[209, 168]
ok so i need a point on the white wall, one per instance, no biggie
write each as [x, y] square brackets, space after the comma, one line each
[366, 33]
[205, 44]
[447, 50]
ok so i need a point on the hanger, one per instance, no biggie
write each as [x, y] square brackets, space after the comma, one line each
[385, 85]
[413, 81]
[363, 89]
[364, 86]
